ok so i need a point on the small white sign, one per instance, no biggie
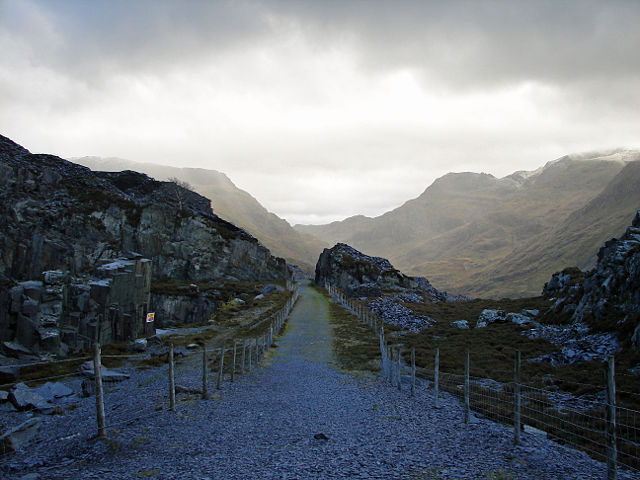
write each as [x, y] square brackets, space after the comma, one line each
[150, 316]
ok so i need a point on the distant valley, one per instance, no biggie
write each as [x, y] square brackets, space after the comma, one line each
[231, 203]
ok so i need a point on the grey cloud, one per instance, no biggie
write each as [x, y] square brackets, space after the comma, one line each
[468, 43]
[104, 37]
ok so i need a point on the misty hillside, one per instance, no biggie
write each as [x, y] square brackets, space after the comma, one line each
[230, 203]
[484, 236]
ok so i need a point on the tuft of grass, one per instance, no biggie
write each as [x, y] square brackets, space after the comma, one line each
[355, 345]
[501, 474]
[147, 473]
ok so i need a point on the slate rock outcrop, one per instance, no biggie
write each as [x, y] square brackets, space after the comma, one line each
[75, 243]
[610, 291]
[361, 275]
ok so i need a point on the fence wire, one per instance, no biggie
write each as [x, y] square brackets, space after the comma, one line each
[579, 423]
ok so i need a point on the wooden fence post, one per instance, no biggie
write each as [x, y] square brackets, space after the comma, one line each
[612, 448]
[233, 366]
[398, 370]
[97, 374]
[244, 349]
[249, 354]
[516, 399]
[436, 378]
[205, 394]
[172, 382]
[220, 368]
[466, 387]
[413, 371]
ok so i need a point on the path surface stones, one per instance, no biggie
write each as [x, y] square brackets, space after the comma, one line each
[298, 417]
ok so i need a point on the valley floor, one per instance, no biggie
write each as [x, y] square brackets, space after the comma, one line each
[299, 417]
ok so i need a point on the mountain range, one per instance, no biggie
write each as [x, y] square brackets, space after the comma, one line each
[230, 203]
[479, 235]
[468, 233]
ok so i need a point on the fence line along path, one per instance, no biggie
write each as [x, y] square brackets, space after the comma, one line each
[297, 416]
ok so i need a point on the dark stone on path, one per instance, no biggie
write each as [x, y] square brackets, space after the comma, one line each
[50, 391]
[321, 436]
[14, 438]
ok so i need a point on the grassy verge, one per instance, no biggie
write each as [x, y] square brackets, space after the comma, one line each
[356, 346]
[232, 323]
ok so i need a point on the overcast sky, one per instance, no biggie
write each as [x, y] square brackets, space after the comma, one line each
[322, 109]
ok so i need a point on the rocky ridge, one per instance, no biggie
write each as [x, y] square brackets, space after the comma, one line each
[374, 278]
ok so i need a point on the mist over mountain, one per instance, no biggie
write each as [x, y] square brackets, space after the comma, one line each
[232, 204]
[479, 235]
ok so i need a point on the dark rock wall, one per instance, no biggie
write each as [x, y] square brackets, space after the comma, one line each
[611, 289]
[58, 216]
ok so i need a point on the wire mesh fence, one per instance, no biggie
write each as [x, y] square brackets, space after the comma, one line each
[215, 365]
[598, 426]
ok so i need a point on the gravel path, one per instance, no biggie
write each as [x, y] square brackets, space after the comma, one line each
[298, 418]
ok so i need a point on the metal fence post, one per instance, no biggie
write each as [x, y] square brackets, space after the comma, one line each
[97, 374]
[436, 378]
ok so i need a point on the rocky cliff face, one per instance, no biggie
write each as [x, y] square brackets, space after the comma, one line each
[360, 275]
[58, 216]
[608, 296]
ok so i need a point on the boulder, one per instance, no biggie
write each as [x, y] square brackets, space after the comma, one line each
[364, 290]
[33, 289]
[9, 374]
[270, 288]
[462, 324]
[361, 275]
[13, 439]
[487, 317]
[518, 319]
[24, 398]
[259, 297]
[87, 370]
[52, 391]
[14, 349]
[140, 345]
[53, 277]
[4, 396]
